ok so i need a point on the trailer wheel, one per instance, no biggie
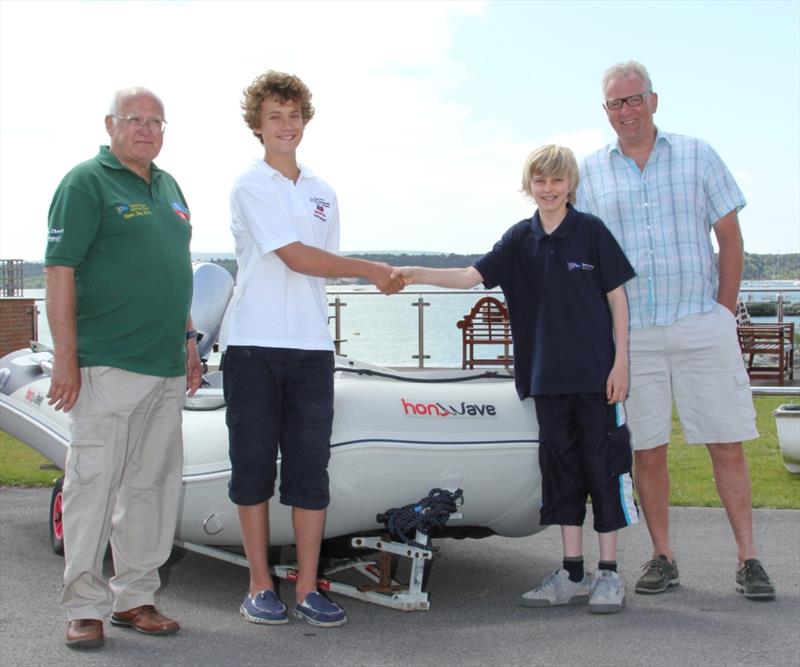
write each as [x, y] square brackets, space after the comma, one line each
[57, 517]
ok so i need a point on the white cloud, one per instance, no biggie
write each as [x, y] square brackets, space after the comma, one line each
[385, 134]
[417, 159]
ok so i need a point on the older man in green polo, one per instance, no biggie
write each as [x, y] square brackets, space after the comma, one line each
[119, 287]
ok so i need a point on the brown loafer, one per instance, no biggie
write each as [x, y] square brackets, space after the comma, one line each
[146, 619]
[85, 633]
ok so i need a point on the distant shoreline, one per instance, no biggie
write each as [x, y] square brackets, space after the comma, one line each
[756, 266]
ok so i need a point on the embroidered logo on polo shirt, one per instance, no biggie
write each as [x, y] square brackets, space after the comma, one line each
[320, 205]
[580, 266]
[181, 211]
[55, 234]
[132, 210]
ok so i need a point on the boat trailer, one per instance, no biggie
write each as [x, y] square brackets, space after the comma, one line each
[382, 588]
[409, 525]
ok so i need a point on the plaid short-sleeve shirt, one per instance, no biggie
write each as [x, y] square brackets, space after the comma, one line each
[662, 217]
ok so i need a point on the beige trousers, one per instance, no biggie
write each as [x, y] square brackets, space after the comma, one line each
[122, 482]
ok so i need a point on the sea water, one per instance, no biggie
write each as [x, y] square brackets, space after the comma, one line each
[384, 330]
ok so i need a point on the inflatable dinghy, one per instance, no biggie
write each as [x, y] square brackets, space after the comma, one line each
[397, 434]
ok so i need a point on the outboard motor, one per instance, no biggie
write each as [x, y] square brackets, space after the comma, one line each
[213, 287]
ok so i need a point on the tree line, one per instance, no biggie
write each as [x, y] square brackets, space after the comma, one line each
[756, 266]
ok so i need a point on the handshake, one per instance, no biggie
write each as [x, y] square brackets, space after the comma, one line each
[389, 279]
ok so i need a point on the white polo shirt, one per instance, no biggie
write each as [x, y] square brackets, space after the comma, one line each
[274, 306]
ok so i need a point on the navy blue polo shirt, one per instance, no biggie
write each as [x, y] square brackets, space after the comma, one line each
[555, 287]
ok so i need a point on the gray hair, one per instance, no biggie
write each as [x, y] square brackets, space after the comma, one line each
[125, 93]
[630, 68]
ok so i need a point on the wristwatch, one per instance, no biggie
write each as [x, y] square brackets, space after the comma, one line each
[191, 334]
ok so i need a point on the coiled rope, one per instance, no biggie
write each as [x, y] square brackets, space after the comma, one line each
[430, 513]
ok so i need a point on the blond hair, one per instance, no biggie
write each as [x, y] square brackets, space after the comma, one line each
[551, 160]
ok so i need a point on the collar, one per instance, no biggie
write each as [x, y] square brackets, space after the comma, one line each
[108, 159]
[305, 172]
[661, 137]
[561, 231]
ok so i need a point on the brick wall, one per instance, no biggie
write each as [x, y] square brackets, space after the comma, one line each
[18, 323]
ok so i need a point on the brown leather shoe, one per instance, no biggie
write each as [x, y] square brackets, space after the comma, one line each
[146, 619]
[85, 633]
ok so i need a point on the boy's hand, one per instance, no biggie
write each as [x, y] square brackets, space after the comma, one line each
[617, 383]
[385, 280]
[408, 274]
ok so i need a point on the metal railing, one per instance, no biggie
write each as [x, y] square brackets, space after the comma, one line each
[779, 300]
[421, 301]
[338, 304]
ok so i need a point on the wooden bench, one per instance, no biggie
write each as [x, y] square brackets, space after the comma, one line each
[765, 340]
[485, 330]
[768, 340]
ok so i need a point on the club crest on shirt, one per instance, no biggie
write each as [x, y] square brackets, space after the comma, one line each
[180, 210]
[320, 208]
[579, 266]
[132, 210]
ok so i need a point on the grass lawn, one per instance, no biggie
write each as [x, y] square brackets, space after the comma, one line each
[773, 485]
[22, 466]
[690, 467]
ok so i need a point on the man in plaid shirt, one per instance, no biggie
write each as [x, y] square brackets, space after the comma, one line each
[661, 194]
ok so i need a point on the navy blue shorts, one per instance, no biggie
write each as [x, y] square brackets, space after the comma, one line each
[279, 399]
[583, 453]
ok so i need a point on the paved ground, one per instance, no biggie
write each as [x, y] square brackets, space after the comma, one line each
[474, 620]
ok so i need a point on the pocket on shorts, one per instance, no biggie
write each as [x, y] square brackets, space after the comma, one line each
[86, 456]
[620, 456]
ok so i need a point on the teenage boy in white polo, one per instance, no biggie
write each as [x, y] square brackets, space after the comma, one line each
[278, 365]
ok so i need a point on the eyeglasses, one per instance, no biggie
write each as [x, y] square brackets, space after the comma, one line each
[156, 125]
[632, 100]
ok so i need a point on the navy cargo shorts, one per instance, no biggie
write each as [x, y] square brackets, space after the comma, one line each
[279, 400]
[584, 451]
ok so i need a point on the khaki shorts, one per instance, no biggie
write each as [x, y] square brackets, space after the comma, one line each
[697, 363]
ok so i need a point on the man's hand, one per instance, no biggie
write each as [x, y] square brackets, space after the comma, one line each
[65, 384]
[194, 368]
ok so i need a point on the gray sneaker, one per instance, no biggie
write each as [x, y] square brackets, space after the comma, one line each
[657, 575]
[557, 589]
[754, 582]
[608, 593]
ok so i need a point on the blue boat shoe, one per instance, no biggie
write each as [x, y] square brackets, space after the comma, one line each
[318, 610]
[264, 608]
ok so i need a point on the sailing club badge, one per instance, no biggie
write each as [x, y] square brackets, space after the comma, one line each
[180, 210]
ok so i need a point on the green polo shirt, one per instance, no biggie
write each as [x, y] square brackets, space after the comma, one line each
[128, 241]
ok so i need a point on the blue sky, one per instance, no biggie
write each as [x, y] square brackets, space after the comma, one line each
[425, 111]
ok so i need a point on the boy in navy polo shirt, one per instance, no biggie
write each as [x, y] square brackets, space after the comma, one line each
[562, 274]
